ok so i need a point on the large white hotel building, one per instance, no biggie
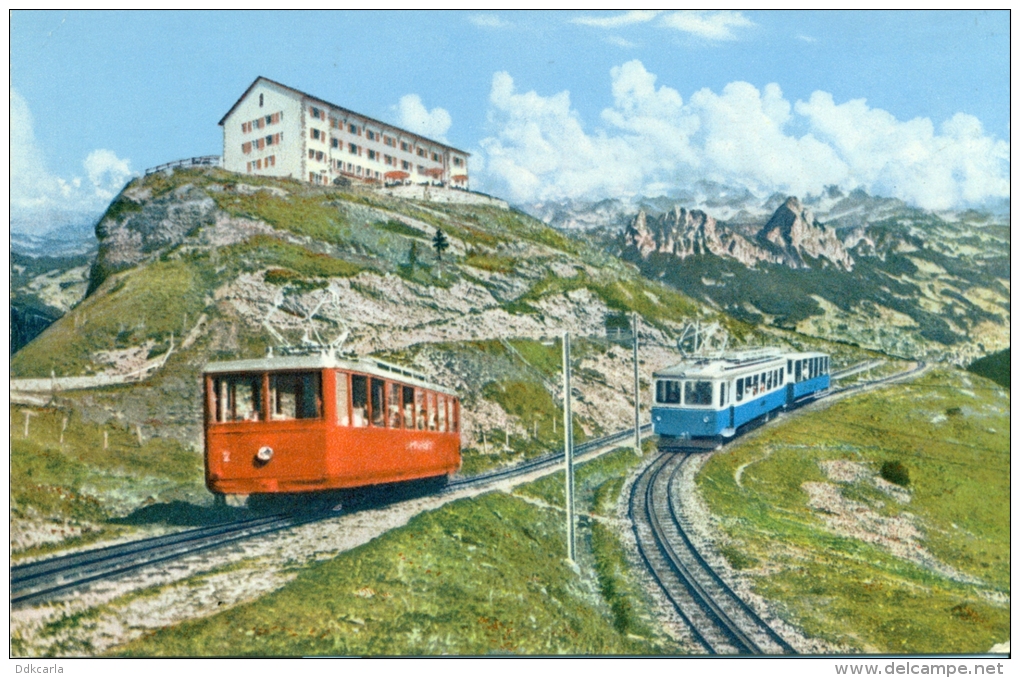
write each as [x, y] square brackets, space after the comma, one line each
[275, 130]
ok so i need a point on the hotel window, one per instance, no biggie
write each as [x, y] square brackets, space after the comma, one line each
[458, 162]
[271, 161]
[421, 152]
[260, 144]
[316, 134]
[269, 140]
[318, 155]
[370, 135]
[261, 101]
[275, 117]
[388, 159]
[435, 157]
[389, 141]
[311, 154]
[316, 113]
[371, 155]
[358, 170]
[246, 147]
[335, 143]
[258, 164]
[258, 123]
[421, 169]
[249, 167]
[405, 165]
[269, 119]
[352, 149]
[353, 129]
[404, 146]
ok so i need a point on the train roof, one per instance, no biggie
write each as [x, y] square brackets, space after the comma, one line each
[730, 364]
[326, 361]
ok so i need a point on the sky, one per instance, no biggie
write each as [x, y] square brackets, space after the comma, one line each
[552, 105]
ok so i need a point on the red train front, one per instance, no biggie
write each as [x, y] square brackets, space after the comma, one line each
[316, 422]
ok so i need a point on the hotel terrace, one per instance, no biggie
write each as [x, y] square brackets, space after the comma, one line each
[275, 130]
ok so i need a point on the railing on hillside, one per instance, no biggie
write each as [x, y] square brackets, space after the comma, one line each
[200, 161]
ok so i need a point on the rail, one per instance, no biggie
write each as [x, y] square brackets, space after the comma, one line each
[197, 161]
[43, 580]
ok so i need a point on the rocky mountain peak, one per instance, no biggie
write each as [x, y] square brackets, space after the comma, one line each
[793, 233]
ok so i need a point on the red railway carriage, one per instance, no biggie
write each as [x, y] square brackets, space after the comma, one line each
[303, 423]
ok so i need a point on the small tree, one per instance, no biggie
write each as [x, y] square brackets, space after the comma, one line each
[440, 242]
[412, 256]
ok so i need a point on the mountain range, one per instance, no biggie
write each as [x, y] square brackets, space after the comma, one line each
[843, 266]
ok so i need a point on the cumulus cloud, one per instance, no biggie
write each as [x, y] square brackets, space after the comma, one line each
[651, 140]
[634, 16]
[41, 200]
[413, 115]
[707, 25]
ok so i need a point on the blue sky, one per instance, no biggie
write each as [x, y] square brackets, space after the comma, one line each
[553, 105]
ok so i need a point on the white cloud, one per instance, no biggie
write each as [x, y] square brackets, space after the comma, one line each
[488, 21]
[806, 38]
[413, 115]
[620, 42]
[708, 25]
[635, 16]
[41, 200]
[651, 140]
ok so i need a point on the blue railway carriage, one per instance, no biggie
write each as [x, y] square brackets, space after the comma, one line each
[701, 402]
[807, 376]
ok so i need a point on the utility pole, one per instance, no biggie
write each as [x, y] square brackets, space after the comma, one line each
[637, 389]
[568, 446]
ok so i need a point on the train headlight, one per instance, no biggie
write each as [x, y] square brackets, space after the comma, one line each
[705, 419]
[264, 454]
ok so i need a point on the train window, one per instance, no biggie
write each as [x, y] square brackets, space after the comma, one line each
[394, 406]
[754, 385]
[419, 405]
[343, 417]
[377, 391]
[697, 393]
[768, 381]
[295, 395]
[782, 376]
[797, 371]
[722, 394]
[826, 364]
[668, 391]
[238, 398]
[789, 366]
[433, 415]
[408, 407]
[740, 389]
[454, 415]
[359, 400]
[442, 413]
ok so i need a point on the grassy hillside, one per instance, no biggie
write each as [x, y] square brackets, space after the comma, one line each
[477, 577]
[880, 523]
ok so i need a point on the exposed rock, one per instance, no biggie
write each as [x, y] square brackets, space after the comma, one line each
[789, 237]
[793, 232]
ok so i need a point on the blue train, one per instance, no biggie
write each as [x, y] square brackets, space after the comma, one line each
[703, 401]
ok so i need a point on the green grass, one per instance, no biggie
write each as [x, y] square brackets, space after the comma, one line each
[475, 577]
[120, 315]
[303, 214]
[854, 592]
[81, 482]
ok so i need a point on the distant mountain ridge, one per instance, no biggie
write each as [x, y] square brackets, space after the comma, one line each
[846, 266]
[790, 237]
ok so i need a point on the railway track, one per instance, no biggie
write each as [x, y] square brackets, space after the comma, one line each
[719, 620]
[43, 580]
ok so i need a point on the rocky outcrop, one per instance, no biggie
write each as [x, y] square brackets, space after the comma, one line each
[791, 237]
[792, 234]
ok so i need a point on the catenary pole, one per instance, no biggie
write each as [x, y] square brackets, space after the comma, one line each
[637, 390]
[568, 446]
